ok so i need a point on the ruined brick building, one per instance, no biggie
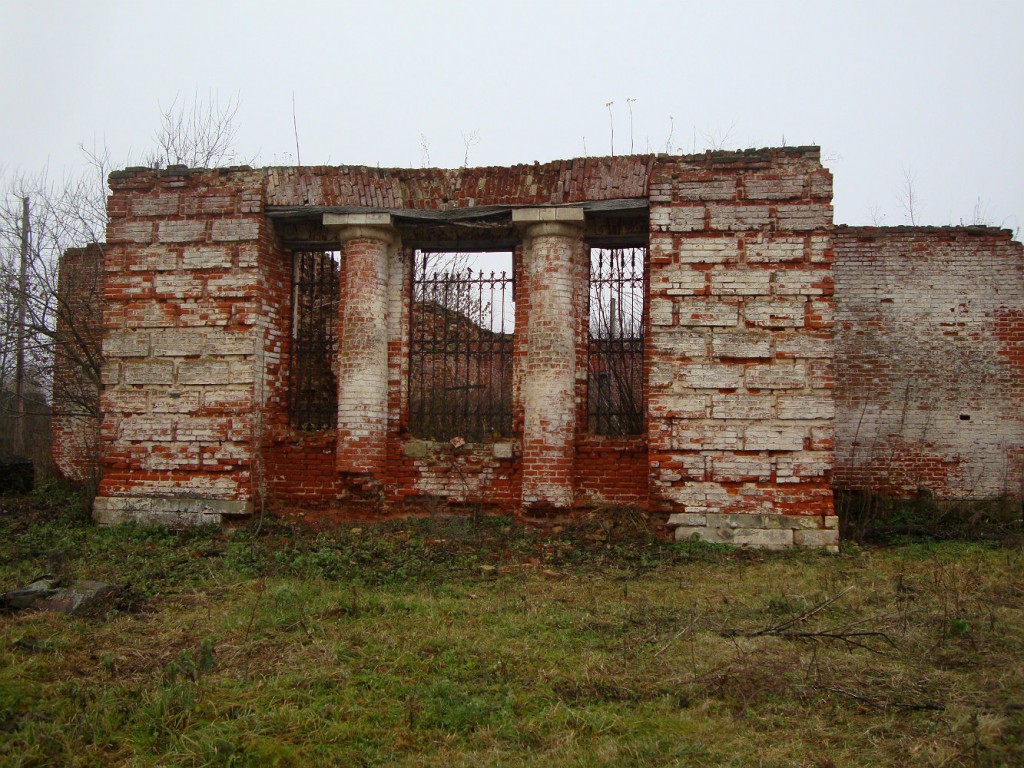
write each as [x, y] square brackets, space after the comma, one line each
[690, 335]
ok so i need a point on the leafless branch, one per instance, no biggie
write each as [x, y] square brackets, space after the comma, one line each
[468, 142]
[881, 705]
[198, 133]
[843, 633]
[719, 139]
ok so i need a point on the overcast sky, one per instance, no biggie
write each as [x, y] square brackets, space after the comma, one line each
[930, 91]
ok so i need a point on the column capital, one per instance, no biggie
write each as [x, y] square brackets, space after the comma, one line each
[565, 214]
[552, 221]
[371, 226]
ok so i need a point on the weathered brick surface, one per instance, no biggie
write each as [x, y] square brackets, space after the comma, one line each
[610, 470]
[738, 350]
[740, 295]
[363, 367]
[180, 350]
[553, 257]
[930, 361]
[559, 182]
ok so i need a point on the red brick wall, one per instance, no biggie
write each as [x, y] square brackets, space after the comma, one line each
[75, 416]
[930, 335]
[740, 368]
[301, 467]
[559, 182]
[738, 354]
[611, 470]
[476, 475]
[740, 384]
[184, 336]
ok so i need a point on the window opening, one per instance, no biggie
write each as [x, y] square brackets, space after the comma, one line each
[615, 348]
[460, 366]
[313, 381]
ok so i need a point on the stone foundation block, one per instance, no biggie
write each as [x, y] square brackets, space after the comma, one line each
[688, 520]
[172, 512]
[825, 538]
[755, 538]
[758, 531]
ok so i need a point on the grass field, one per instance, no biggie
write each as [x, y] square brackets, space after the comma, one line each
[461, 642]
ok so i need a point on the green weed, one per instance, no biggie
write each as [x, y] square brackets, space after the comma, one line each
[390, 644]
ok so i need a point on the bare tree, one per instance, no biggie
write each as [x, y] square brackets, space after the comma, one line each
[468, 142]
[718, 139]
[53, 324]
[64, 216]
[979, 215]
[62, 314]
[424, 152]
[907, 195]
[198, 133]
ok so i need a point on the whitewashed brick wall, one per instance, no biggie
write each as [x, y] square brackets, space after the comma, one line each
[930, 337]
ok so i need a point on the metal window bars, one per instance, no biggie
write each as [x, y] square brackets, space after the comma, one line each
[313, 381]
[460, 351]
[615, 348]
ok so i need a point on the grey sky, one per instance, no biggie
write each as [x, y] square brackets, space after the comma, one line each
[931, 89]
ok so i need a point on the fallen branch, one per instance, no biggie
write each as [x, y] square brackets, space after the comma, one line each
[806, 614]
[676, 636]
[845, 637]
[883, 705]
[840, 633]
[780, 629]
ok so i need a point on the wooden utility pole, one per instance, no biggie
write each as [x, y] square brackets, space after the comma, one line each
[19, 371]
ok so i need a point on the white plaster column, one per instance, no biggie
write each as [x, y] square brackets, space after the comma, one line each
[367, 241]
[552, 242]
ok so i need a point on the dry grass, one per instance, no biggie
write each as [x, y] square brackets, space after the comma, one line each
[447, 642]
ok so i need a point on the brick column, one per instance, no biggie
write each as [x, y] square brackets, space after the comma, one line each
[366, 242]
[552, 243]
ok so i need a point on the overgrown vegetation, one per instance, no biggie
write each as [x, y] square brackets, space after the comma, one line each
[453, 641]
[878, 518]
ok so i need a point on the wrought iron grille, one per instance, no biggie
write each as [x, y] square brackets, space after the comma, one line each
[460, 355]
[313, 383]
[615, 359]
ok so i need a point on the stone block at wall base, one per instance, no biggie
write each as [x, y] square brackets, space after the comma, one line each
[758, 531]
[172, 512]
